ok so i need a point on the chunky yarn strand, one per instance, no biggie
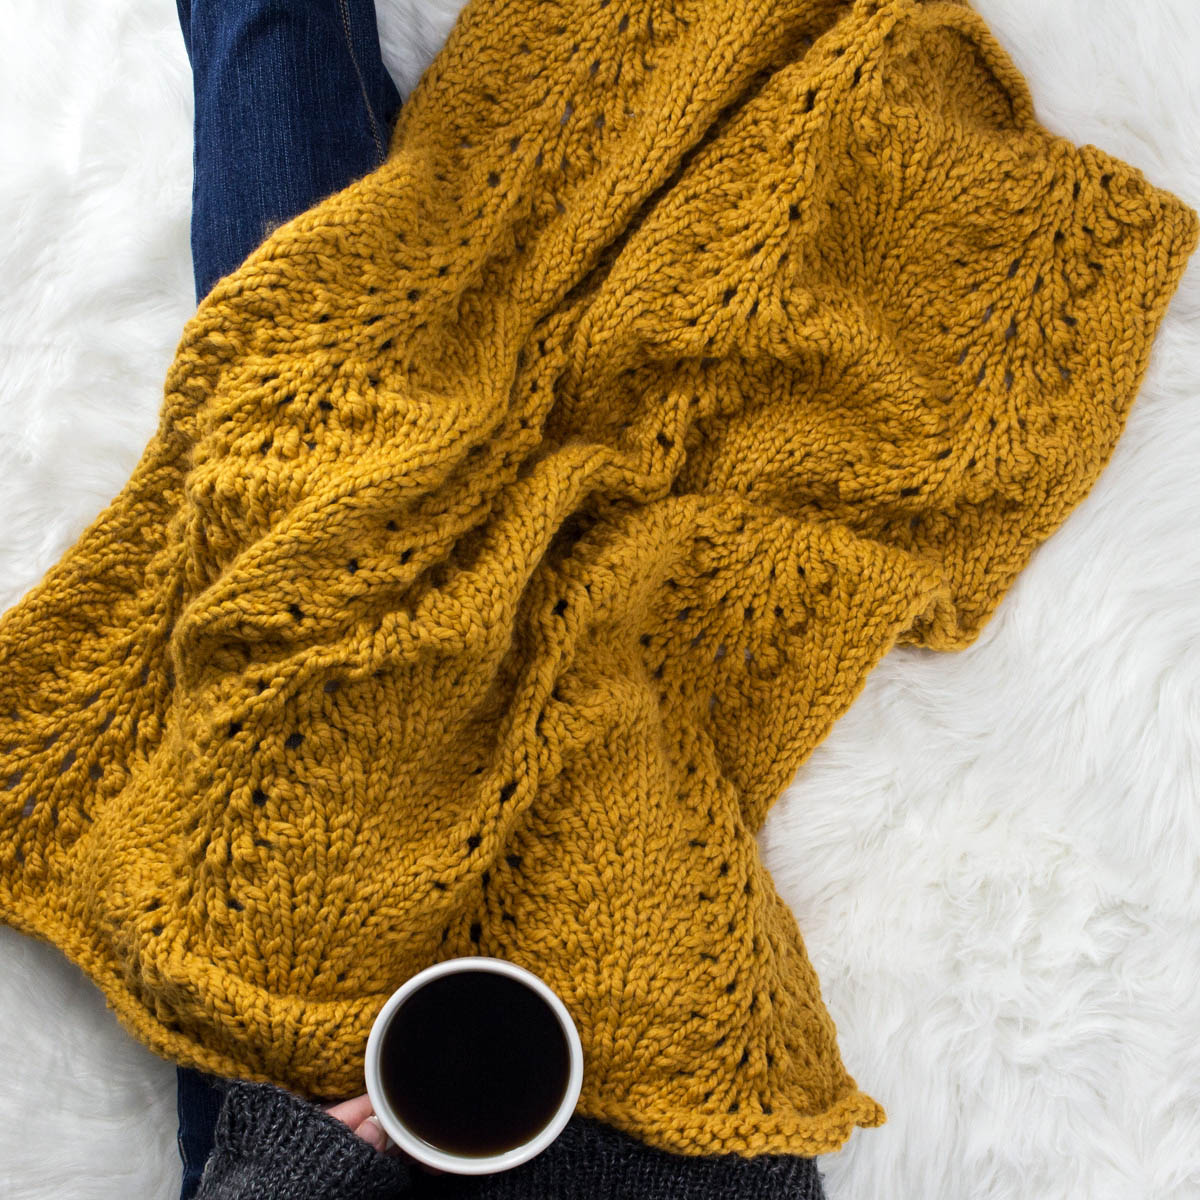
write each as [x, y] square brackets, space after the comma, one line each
[523, 515]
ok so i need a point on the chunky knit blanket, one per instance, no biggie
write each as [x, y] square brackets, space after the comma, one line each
[520, 517]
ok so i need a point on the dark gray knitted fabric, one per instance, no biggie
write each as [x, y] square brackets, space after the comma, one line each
[590, 1161]
[271, 1144]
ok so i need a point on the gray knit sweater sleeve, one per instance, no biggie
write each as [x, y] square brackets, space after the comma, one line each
[270, 1143]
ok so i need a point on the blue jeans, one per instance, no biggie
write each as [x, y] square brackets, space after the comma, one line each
[293, 103]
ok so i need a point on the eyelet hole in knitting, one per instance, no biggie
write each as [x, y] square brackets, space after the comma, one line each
[294, 741]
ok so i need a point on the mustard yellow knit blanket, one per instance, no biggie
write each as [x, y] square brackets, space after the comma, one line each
[522, 516]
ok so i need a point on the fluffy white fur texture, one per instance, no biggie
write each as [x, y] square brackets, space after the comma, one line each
[994, 857]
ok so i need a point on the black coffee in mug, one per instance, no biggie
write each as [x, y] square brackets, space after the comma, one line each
[475, 1063]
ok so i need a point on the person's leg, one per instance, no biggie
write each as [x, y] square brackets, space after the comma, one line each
[199, 1104]
[293, 103]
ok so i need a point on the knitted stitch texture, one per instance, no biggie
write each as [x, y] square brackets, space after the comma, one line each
[269, 1143]
[523, 515]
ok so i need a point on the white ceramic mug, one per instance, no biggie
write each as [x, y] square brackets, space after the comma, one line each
[457, 1164]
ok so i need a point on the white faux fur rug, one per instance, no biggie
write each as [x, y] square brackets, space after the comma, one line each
[994, 857]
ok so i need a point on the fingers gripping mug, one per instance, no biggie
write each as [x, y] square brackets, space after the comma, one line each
[474, 1066]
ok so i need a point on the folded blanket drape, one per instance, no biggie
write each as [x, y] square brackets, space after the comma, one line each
[521, 517]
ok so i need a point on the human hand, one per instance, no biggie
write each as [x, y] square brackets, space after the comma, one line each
[359, 1115]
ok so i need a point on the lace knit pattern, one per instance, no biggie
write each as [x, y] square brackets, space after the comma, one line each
[523, 515]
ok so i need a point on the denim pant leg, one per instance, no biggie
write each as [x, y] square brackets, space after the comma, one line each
[199, 1103]
[293, 103]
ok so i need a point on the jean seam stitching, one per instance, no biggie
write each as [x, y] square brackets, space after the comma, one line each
[361, 82]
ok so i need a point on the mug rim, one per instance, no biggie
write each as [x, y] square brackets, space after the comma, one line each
[425, 1152]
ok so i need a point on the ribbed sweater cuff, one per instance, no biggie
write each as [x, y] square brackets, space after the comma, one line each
[590, 1160]
[271, 1143]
